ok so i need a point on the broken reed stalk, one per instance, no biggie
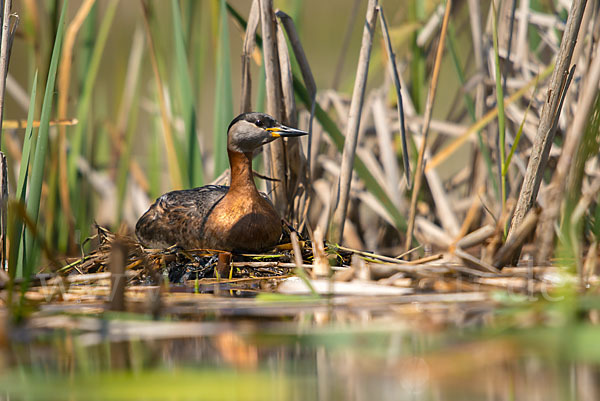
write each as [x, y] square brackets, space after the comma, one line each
[547, 128]
[118, 280]
[522, 232]
[425, 127]
[353, 125]
[247, 50]
[545, 230]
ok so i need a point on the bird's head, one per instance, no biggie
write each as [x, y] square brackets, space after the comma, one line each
[249, 131]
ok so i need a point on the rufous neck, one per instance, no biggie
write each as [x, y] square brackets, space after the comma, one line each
[241, 170]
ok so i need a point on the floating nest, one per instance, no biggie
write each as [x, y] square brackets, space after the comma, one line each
[197, 268]
[180, 266]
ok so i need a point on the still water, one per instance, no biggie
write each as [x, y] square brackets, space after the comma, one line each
[282, 351]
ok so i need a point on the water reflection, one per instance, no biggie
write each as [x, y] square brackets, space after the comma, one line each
[311, 357]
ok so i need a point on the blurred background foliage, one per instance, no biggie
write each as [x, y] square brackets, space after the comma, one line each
[153, 86]
[129, 145]
[106, 139]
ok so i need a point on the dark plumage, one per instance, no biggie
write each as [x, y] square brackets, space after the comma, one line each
[177, 215]
[234, 218]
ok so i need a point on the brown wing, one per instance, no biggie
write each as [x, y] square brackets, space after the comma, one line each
[178, 217]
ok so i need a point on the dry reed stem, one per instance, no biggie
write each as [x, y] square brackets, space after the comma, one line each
[247, 51]
[588, 195]
[442, 155]
[476, 36]
[577, 129]
[547, 128]
[371, 255]
[480, 171]
[321, 267]
[352, 127]
[515, 242]
[589, 264]
[118, 280]
[3, 209]
[426, 259]
[432, 234]
[274, 154]
[296, 171]
[398, 87]
[176, 180]
[22, 124]
[64, 80]
[4, 56]
[388, 153]
[473, 261]
[476, 237]
[304, 161]
[287, 85]
[443, 206]
[305, 70]
[471, 216]
[430, 27]
[17, 92]
[4, 60]
[425, 128]
[443, 127]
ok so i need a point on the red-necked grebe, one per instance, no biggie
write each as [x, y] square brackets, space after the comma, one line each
[234, 218]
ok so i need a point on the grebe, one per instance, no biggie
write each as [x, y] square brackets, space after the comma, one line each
[234, 218]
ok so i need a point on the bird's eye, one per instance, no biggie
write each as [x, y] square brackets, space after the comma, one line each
[259, 123]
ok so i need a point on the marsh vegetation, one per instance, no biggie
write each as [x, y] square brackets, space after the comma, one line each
[442, 216]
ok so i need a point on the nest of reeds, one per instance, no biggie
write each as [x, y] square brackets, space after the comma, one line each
[278, 270]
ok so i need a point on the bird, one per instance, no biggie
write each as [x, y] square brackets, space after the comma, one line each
[234, 218]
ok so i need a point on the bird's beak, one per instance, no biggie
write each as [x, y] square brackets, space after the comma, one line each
[284, 131]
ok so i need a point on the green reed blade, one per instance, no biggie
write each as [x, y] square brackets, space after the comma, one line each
[84, 104]
[125, 159]
[223, 94]
[194, 161]
[39, 161]
[16, 269]
[500, 102]
[26, 153]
